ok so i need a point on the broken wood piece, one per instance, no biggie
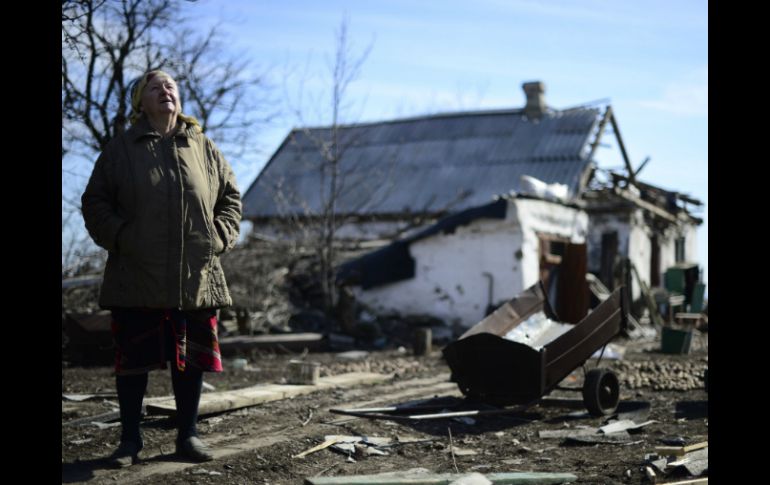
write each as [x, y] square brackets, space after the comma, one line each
[301, 372]
[680, 450]
[697, 481]
[428, 478]
[457, 451]
[101, 418]
[377, 415]
[325, 444]
[621, 437]
[216, 402]
[650, 473]
[291, 341]
[566, 433]
[85, 397]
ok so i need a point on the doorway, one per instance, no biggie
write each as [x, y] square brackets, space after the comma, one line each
[563, 267]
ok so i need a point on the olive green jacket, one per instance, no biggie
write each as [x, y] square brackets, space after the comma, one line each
[164, 209]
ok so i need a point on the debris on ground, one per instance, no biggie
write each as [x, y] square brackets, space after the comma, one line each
[259, 440]
[425, 477]
[691, 460]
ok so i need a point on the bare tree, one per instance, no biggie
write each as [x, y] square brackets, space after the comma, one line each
[106, 44]
[319, 222]
[347, 187]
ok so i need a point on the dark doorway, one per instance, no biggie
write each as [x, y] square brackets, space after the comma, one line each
[654, 262]
[563, 267]
[609, 254]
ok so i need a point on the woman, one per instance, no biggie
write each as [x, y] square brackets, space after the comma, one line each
[163, 202]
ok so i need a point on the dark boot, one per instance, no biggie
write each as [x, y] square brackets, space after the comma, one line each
[131, 391]
[194, 449]
[187, 393]
[126, 454]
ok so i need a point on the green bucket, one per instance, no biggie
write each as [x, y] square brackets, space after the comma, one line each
[675, 341]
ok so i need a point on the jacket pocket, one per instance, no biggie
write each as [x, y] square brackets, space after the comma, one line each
[217, 245]
[125, 240]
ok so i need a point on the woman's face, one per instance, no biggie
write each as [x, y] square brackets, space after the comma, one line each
[160, 97]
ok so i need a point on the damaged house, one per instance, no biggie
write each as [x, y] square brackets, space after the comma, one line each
[478, 206]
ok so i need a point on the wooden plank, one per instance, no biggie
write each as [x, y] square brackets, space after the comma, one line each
[442, 415]
[99, 418]
[680, 450]
[616, 131]
[216, 402]
[618, 437]
[416, 478]
[567, 433]
[697, 481]
[645, 205]
[289, 340]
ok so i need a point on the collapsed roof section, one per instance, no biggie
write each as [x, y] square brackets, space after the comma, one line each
[619, 191]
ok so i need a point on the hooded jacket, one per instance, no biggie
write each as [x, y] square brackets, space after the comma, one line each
[164, 209]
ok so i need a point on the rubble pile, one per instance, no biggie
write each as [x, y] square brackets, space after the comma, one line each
[400, 366]
[80, 299]
[276, 288]
[661, 375]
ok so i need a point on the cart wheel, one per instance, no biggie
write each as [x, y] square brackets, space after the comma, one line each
[601, 392]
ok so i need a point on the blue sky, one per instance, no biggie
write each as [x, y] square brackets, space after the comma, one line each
[648, 58]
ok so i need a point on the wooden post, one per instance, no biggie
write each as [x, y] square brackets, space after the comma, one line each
[301, 372]
[423, 340]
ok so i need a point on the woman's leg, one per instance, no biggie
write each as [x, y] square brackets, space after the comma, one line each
[187, 394]
[131, 391]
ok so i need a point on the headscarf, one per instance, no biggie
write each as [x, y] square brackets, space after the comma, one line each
[136, 100]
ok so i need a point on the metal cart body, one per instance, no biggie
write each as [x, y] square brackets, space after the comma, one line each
[492, 369]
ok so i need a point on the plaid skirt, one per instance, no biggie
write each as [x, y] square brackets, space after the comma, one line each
[145, 339]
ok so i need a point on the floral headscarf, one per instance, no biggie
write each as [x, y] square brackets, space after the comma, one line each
[136, 100]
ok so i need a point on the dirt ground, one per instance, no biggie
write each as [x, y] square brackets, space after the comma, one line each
[255, 445]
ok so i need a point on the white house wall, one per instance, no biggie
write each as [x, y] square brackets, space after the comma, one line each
[603, 223]
[639, 251]
[449, 280]
[634, 242]
[668, 246]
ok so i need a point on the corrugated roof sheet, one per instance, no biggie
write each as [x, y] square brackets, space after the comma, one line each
[444, 162]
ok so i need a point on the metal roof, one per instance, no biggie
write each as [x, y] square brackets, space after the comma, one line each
[430, 164]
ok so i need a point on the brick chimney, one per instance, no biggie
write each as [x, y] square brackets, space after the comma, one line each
[535, 107]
